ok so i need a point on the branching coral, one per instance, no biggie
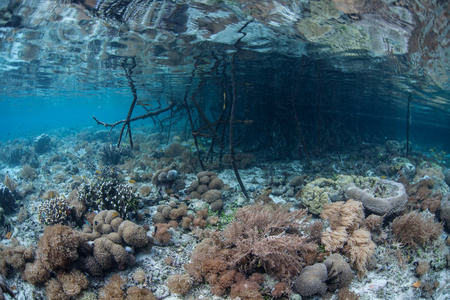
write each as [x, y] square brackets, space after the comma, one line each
[108, 193]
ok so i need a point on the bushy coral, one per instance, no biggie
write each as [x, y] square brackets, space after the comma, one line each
[14, 257]
[345, 220]
[257, 234]
[112, 155]
[161, 233]
[416, 229]
[58, 247]
[179, 283]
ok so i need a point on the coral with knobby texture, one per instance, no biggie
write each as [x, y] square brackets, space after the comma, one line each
[385, 197]
[259, 232]
[133, 234]
[113, 290]
[414, 229]
[312, 280]
[137, 293]
[339, 272]
[14, 256]
[58, 247]
[207, 187]
[116, 290]
[110, 255]
[360, 250]
[161, 233]
[73, 283]
[179, 283]
[54, 290]
[35, 273]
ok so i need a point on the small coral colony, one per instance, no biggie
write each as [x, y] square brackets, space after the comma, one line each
[82, 219]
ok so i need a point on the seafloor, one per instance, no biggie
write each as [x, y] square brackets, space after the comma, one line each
[57, 165]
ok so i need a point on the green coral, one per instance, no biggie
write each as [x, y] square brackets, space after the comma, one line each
[322, 191]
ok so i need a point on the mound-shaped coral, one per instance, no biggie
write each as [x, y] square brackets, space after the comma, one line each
[339, 272]
[208, 188]
[312, 280]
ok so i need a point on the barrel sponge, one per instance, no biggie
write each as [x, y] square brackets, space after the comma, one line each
[58, 247]
[385, 197]
[312, 280]
[133, 234]
[339, 272]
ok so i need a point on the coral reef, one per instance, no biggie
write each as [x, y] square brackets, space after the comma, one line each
[167, 181]
[385, 197]
[42, 144]
[7, 199]
[208, 188]
[416, 229]
[116, 289]
[14, 257]
[179, 283]
[444, 211]
[104, 194]
[113, 155]
[55, 211]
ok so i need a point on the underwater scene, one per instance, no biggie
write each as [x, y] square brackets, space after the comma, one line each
[224, 149]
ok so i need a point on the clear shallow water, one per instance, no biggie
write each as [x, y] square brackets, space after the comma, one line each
[62, 64]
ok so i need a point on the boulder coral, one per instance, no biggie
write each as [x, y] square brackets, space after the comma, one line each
[312, 280]
[207, 187]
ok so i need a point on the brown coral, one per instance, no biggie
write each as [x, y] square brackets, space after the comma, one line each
[133, 234]
[360, 250]
[179, 284]
[416, 229]
[258, 232]
[161, 233]
[58, 247]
